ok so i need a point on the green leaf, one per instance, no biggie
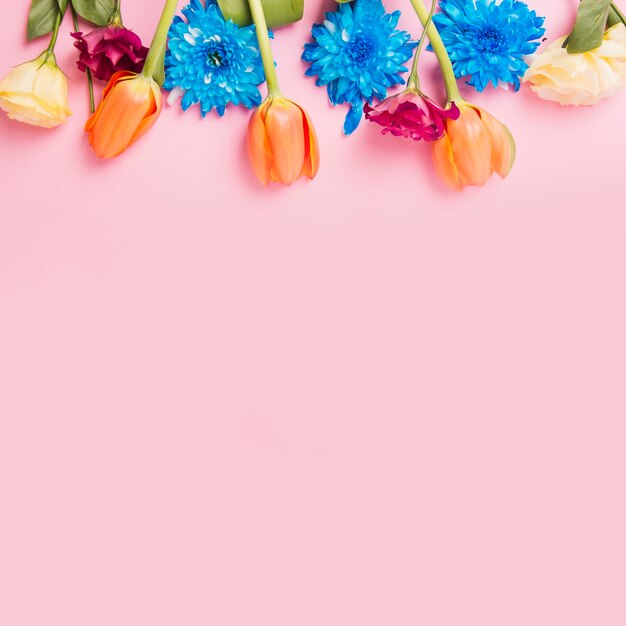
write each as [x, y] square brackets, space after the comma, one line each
[98, 12]
[277, 12]
[42, 15]
[589, 27]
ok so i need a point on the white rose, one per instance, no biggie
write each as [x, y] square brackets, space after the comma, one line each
[36, 93]
[584, 78]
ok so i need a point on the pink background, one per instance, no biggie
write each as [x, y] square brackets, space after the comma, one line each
[364, 400]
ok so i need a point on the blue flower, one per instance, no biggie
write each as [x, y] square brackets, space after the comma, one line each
[358, 54]
[488, 39]
[212, 61]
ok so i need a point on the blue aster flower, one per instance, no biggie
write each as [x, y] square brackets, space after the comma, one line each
[488, 39]
[358, 54]
[212, 61]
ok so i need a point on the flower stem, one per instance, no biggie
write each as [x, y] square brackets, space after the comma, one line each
[159, 41]
[262, 36]
[116, 18]
[92, 103]
[55, 33]
[619, 14]
[414, 80]
[439, 49]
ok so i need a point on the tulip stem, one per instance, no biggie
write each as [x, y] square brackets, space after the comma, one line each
[263, 38]
[92, 103]
[439, 48]
[159, 41]
[414, 80]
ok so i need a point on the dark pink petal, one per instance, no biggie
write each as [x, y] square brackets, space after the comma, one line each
[110, 49]
[411, 115]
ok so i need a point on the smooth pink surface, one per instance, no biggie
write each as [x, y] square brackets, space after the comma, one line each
[360, 401]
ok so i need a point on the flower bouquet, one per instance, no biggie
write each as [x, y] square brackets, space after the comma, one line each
[217, 54]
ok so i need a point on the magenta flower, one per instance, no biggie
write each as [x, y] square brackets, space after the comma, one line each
[411, 114]
[110, 49]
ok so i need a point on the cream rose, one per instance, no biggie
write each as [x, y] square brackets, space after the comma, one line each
[584, 78]
[36, 93]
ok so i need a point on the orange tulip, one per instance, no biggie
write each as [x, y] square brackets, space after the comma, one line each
[131, 103]
[282, 144]
[474, 147]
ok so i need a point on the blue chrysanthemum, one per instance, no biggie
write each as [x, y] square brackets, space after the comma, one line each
[358, 54]
[212, 61]
[488, 39]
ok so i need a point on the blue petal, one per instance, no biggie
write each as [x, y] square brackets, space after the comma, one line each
[357, 53]
[353, 118]
[219, 66]
[488, 40]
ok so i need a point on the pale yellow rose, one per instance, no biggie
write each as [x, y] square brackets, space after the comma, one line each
[36, 93]
[584, 78]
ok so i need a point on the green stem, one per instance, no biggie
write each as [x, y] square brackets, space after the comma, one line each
[74, 18]
[55, 33]
[92, 103]
[116, 18]
[414, 80]
[440, 51]
[258, 17]
[619, 14]
[159, 41]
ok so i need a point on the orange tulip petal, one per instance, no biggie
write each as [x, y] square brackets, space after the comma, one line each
[284, 126]
[312, 150]
[93, 118]
[471, 145]
[259, 149]
[115, 78]
[119, 116]
[502, 144]
[443, 160]
[155, 110]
